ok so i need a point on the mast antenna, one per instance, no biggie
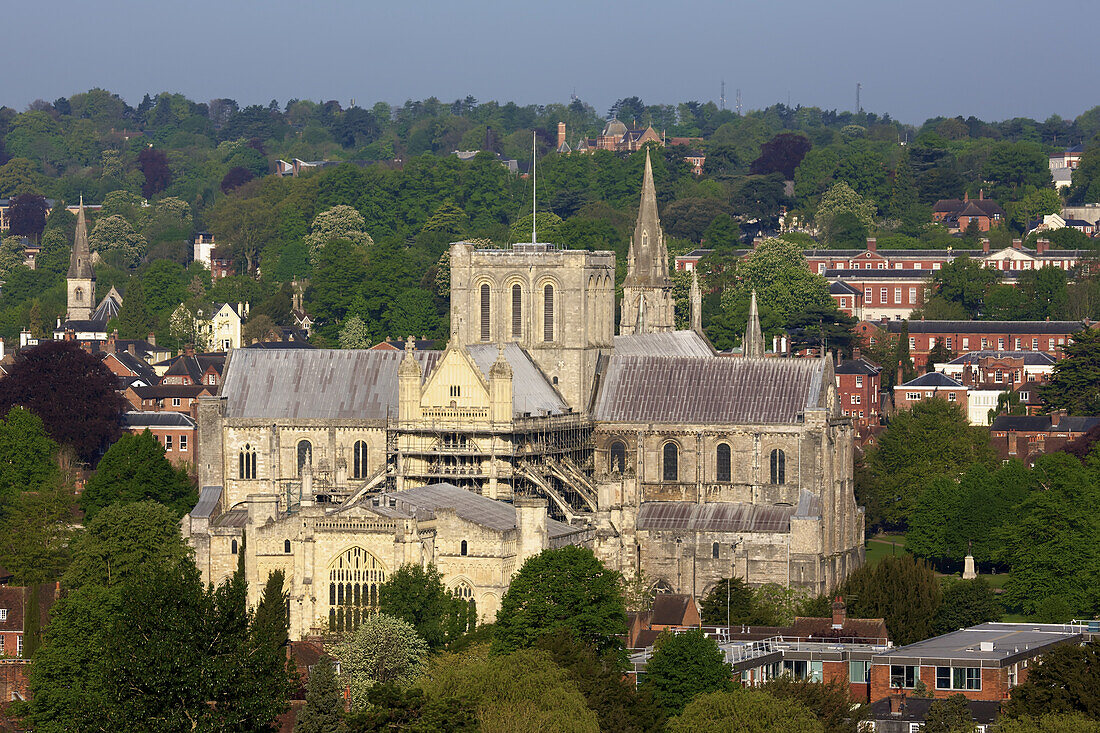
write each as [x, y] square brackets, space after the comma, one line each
[534, 189]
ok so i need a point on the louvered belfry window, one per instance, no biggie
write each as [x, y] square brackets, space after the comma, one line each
[548, 313]
[517, 312]
[485, 307]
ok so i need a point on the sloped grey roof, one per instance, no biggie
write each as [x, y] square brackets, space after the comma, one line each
[1031, 358]
[716, 390]
[162, 419]
[315, 383]
[932, 379]
[209, 496]
[714, 517]
[670, 343]
[994, 327]
[423, 501]
[531, 391]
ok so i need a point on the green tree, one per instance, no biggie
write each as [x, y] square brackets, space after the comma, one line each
[28, 455]
[392, 708]
[340, 270]
[723, 235]
[1067, 682]
[11, 255]
[547, 228]
[784, 285]
[19, 176]
[829, 701]
[35, 532]
[1049, 723]
[416, 594]
[740, 603]
[744, 711]
[324, 709]
[966, 603]
[1075, 382]
[933, 438]
[950, 715]
[135, 469]
[965, 281]
[564, 588]
[448, 219]
[338, 223]
[115, 240]
[839, 199]
[685, 665]
[904, 592]
[520, 692]
[383, 649]
[353, 334]
[134, 319]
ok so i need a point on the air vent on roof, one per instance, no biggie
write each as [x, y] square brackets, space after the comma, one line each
[986, 646]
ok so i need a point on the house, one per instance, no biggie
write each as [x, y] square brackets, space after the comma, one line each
[990, 374]
[1069, 158]
[191, 368]
[221, 265]
[957, 215]
[1027, 437]
[858, 384]
[900, 713]
[203, 248]
[963, 337]
[14, 604]
[930, 386]
[170, 397]
[219, 326]
[984, 662]
[388, 344]
[173, 430]
[302, 320]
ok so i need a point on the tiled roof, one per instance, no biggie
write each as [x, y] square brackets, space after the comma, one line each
[1030, 358]
[932, 379]
[315, 383]
[856, 366]
[146, 419]
[1042, 424]
[160, 391]
[669, 609]
[531, 390]
[717, 390]
[852, 628]
[842, 288]
[713, 517]
[671, 343]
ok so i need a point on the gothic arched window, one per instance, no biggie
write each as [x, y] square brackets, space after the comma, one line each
[305, 455]
[548, 313]
[618, 457]
[779, 467]
[486, 304]
[79, 293]
[233, 547]
[286, 546]
[670, 469]
[464, 548]
[246, 462]
[354, 578]
[715, 550]
[723, 462]
[359, 459]
[517, 312]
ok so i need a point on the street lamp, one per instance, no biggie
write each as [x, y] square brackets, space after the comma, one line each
[729, 581]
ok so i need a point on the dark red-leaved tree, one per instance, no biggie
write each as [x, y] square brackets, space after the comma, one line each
[154, 165]
[781, 154]
[71, 390]
[28, 215]
[236, 177]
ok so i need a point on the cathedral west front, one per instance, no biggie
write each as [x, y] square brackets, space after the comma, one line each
[536, 427]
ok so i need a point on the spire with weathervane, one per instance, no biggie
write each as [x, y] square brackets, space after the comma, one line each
[753, 345]
[81, 276]
[648, 306]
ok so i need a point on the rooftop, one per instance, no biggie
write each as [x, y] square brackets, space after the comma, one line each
[990, 644]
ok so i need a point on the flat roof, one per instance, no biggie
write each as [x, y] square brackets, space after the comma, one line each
[1004, 644]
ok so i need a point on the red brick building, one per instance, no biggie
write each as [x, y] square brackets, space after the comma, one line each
[858, 385]
[1027, 437]
[932, 385]
[14, 603]
[181, 398]
[963, 337]
[173, 430]
[957, 214]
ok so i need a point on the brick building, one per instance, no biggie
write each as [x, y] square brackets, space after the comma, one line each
[174, 431]
[858, 385]
[181, 398]
[1027, 437]
[958, 214]
[14, 604]
[990, 374]
[932, 385]
[964, 337]
[983, 662]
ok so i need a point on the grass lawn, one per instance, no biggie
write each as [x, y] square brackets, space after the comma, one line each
[883, 545]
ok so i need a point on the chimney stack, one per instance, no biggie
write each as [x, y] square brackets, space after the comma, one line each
[871, 244]
[985, 245]
[857, 354]
[840, 613]
[561, 135]
[1042, 245]
[1056, 417]
[152, 339]
[1017, 244]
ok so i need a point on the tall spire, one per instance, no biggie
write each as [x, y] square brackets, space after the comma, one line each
[753, 345]
[80, 263]
[696, 303]
[648, 259]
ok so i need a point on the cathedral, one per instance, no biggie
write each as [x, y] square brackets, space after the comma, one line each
[537, 427]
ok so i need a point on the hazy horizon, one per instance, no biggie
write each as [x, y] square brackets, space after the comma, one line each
[993, 60]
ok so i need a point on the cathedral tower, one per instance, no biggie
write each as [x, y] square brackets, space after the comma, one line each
[81, 276]
[647, 305]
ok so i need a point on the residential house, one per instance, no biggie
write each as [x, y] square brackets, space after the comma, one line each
[930, 386]
[203, 248]
[170, 397]
[990, 374]
[1027, 437]
[191, 368]
[173, 430]
[1063, 164]
[858, 384]
[14, 602]
[957, 215]
[220, 325]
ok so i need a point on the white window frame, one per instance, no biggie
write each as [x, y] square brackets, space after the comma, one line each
[971, 678]
[912, 396]
[3, 614]
[175, 402]
[856, 399]
[859, 380]
[167, 442]
[183, 443]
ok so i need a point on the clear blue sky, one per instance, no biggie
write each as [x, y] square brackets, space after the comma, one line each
[991, 58]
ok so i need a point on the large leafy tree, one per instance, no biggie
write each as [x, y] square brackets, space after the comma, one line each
[154, 167]
[338, 223]
[28, 455]
[567, 588]
[781, 154]
[35, 532]
[932, 439]
[965, 282]
[134, 319]
[135, 469]
[383, 649]
[71, 390]
[966, 603]
[416, 594]
[950, 715]
[324, 709]
[115, 239]
[745, 711]
[1068, 681]
[899, 589]
[729, 601]
[829, 701]
[27, 215]
[1075, 382]
[683, 666]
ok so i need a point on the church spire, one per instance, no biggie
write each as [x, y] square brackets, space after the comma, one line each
[80, 263]
[647, 265]
[753, 345]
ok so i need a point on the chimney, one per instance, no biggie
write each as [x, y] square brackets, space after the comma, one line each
[1042, 246]
[1056, 417]
[871, 244]
[1017, 244]
[840, 613]
[561, 134]
[985, 245]
[152, 339]
[897, 702]
[1011, 442]
[111, 346]
[901, 375]
[981, 194]
[966, 197]
[857, 354]
[189, 350]
[131, 350]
